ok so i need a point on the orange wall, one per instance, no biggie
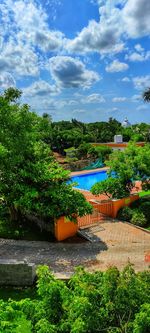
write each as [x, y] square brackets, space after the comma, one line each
[117, 204]
[115, 145]
[111, 207]
[65, 228]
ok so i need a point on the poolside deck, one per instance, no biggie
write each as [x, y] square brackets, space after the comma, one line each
[84, 172]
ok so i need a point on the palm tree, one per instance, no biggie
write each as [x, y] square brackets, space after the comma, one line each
[146, 95]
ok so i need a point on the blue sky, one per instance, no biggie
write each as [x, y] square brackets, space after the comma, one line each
[83, 59]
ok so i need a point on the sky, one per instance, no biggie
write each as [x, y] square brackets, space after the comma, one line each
[83, 59]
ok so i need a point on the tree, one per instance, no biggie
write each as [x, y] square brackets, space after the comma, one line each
[31, 181]
[129, 165]
[110, 301]
[112, 187]
[142, 320]
[146, 95]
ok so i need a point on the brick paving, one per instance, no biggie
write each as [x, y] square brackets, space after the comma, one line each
[119, 243]
[124, 243]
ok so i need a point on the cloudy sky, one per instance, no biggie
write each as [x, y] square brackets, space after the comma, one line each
[83, 59]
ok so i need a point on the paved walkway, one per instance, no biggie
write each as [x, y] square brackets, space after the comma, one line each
[119, 242]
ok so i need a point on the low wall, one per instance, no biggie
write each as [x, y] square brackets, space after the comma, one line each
[111, 207]
[65, 228]
[16, 273]
[119, 203]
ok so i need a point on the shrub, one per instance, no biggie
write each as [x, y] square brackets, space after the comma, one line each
[71, 159]
[103, 152]
[138, 218]
[125, 214]
[145, 209]
[82, 150]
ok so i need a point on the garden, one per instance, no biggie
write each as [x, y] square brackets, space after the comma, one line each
[34, 192]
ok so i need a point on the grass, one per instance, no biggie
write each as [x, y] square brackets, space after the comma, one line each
[144, 193]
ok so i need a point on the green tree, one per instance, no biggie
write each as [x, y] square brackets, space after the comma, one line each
[112, 187]
[142, 320]
[129, 165]
[31, 181]
[110, 301]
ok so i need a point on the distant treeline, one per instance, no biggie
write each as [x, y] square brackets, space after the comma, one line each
[66, 134]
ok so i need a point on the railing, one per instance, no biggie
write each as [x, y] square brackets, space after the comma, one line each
[93, 218]
[104, 207]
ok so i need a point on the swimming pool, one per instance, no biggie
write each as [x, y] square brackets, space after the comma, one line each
[86, 181]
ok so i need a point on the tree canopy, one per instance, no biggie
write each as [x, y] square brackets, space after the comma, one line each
[126, 167]
[31, 180]
[111, 302]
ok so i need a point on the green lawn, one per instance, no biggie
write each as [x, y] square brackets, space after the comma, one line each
[144, 193]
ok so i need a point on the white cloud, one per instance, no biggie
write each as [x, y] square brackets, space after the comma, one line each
[136, 98]
[136, 18]
[119, 99]
[117, 18]
[49, 40]
[142, 107]
[139, 48]
[135, 57]
[117, 66]
[24, 28]
[126, 79]
[96, 37]
[76, 111]
[102, 36]
[93, 98]
[71, 73]
[141, 82]
[139, 55]
[40, 88]
[6, 80]
[19, 59]
[114, 109]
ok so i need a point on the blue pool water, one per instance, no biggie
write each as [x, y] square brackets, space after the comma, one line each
[85, 182]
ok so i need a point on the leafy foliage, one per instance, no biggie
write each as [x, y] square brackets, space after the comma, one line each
[138, 218]
[110, 301]
[112, 187]
[129, 165]
[137, 213]
[125, 214]
[31, 181]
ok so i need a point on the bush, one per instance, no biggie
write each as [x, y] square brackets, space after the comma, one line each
[71, 159]
[103, 152]
[138, 218]
[145, 209]
[82, 150]
[125, 214]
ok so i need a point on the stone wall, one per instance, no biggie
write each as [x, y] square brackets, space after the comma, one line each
[16, 273]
